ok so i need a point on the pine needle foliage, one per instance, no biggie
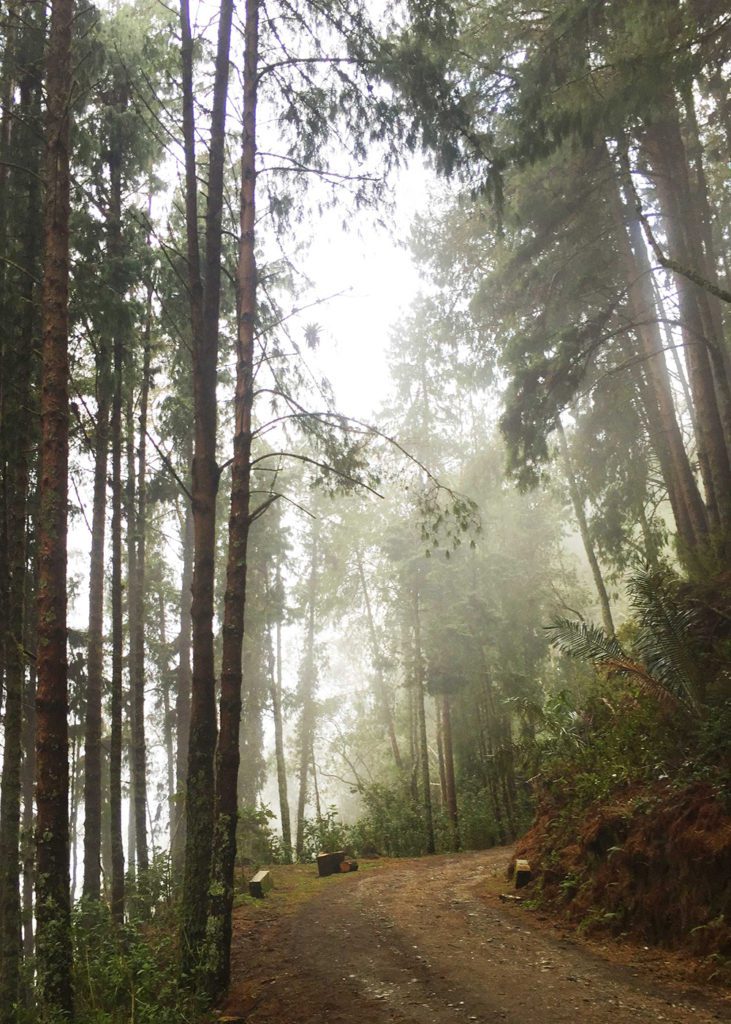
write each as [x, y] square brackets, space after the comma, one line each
[662, 657]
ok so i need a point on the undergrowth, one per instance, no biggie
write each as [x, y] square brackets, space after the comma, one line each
[633, 824]
[128, 973]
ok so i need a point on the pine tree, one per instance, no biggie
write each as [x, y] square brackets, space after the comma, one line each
[53, 941]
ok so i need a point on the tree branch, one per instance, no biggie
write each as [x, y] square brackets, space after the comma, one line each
[671, 264]
[169, 466]
[253, 516]
[321, 465]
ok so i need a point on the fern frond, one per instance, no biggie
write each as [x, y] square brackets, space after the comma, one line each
[665, 638]
[651, 686]
[583, 640]
[588, 642]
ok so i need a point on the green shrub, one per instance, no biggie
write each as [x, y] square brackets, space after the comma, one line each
[325, 834]
[477, 825]
[391, 824]
[256, 840]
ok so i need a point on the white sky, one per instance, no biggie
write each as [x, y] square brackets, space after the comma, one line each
[371, 265]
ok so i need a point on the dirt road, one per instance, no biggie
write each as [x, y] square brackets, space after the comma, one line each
[428, 942]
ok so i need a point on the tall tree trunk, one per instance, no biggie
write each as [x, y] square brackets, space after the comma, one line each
[421, 715]
[137, 526]
[276, 694]
[381, 689]
[204, 308]
[167, 715]
[17, 428]
[95, 661]
[315, 786]
[7, 117]
[8, 74]
[13, 719]
[95, 649]
[133, 611]
[689, 512]
[227, 757]
[440, 753]
[106, 840]
[452, 810]
[711, 307]
[252, 767]
[673, 349]
[29, 758]
[182, 696]
[497, 746]
[53, 909]
[27, 846]
[650, 543]
[487, 750]
[131, 823]
[664, 146]
[115, 248]
[74, 809]
[307, 696]
[413, 720]
[648, 412]
[578, 505]
[115, 743]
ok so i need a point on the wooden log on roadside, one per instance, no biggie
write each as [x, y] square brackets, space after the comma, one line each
[329, 863]
[523, 873]
[261, 884]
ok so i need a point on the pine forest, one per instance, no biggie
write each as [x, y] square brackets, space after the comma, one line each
[365, 506]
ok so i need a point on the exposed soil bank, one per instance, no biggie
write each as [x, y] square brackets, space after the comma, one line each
[655, 864]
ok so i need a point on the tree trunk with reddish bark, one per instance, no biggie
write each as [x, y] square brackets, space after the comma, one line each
[227, 756]
[182, 698]
[706, 370]
[687, 504]
[204, 290]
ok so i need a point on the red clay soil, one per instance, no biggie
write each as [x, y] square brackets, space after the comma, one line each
[427, 941]
[656, 863]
